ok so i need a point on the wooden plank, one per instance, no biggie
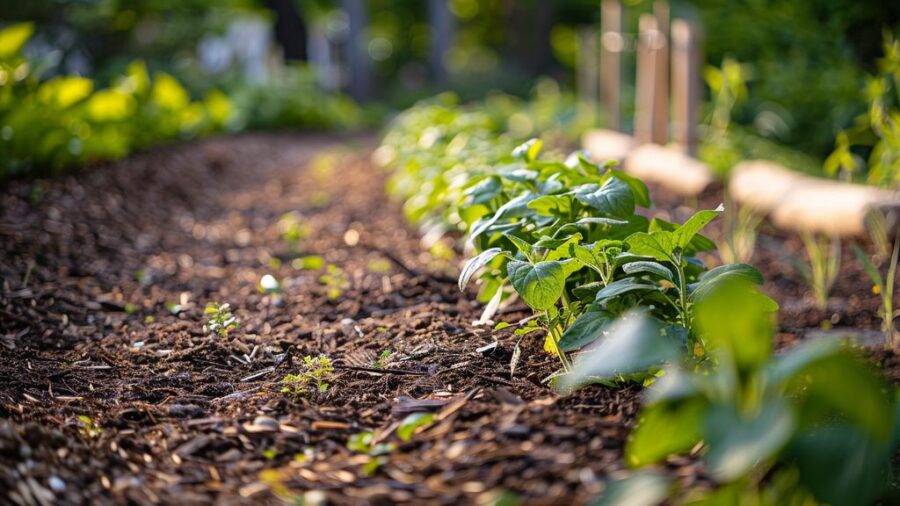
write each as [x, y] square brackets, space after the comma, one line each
[686, 58]
[670, 168]
[612, 43]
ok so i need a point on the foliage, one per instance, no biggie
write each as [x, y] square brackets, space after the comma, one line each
[814, 420]
[740, 229]
[878, 129]
[67, 120]
[315, 372]
[219, 319]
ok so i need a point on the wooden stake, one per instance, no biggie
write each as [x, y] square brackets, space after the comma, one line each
[645, 79]
[612, 43]
[661, 76]
[686, 58]
[586, 67]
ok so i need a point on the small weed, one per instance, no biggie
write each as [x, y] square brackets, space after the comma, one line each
[381, 361]
[311, 263]
[335, 279]
[88, 428]
[316, 372]
[219, 319]
[883, 286]
[292, 230]
[741, 227]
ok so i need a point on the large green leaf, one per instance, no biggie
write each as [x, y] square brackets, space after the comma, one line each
[475, 263]
[13, 37]
[585, 329]
[665, 429]
[736, 321]
[659, 245]
[614, 198]
[686, 232]
[841, 466]
[739, 442]
[638, 188]
[540, 285]
[518, 206]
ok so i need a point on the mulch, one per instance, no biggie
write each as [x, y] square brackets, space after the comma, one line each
[93, 265]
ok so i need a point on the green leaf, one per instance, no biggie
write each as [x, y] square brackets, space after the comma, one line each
[633, 343]
[484, 191]
[868, 266]
[645, 266]
[697, 244]
[665, 429]
[728, 273]
[540, 285]
[13, 37]
[528, 150]
[412, 422]
[644, 488]
[659, 245]
[519, 243]
[737, 321]
[638, 188]
[622, 286]
[475, 263]
[738, 443]
[686, 232]
[841, 466]
[585, 329]
[517, 206]
[614, 198]
[552, 205]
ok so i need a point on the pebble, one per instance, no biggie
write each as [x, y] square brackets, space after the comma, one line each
[56, 484]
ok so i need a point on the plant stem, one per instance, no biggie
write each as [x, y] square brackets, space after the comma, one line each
[888, 293]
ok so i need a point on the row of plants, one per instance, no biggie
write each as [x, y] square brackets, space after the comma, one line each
[621, 296]
[48, 124]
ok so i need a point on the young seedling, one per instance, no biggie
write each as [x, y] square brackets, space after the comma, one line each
[740, 230]
[824, 257]
[335, 279]
[316, 372]
[883, 286]
[219, 319]
[381, 361]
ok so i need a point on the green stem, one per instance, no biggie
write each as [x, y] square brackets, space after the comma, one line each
[888, 293]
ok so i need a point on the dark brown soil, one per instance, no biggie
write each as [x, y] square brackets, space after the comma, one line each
[92, 263]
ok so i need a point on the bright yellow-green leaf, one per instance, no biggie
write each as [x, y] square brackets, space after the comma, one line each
[13, 37]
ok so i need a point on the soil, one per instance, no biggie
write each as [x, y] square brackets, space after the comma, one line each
[111, 391]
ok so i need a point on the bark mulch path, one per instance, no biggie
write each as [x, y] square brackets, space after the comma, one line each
[111, 391]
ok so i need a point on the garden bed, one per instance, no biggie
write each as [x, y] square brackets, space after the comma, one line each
[93, 263]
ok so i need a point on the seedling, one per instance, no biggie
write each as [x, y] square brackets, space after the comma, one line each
[292, 230]
[88, 428]
[884, 287]
[316, 372]
[381, 361]
[219, 319]
[335, 279]
[824, 257]
[740, 230]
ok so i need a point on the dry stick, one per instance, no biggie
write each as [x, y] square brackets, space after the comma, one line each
[400, 372]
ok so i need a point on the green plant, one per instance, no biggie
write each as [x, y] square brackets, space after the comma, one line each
[316, 372]
[812, 421]
[381, 360]
[335, 279]
[88, 428]
[884, 287]
[219, 319]
[824, 262]
[567, 239]
[739, 232]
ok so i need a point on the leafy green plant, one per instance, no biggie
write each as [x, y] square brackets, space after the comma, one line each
[316, 372]
[883, 286]
[567, 239]
[815, 420]
[219, 319]
[824, 262]
[88, 428]
[382, 359]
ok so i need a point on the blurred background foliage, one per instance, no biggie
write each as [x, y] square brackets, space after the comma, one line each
[804, 63]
